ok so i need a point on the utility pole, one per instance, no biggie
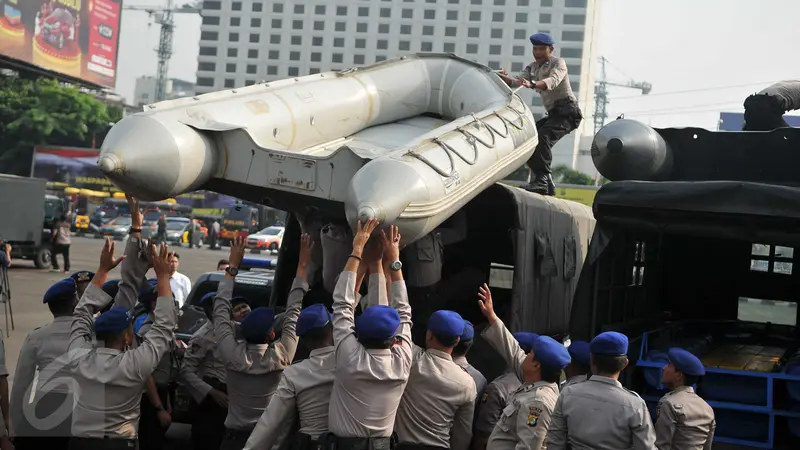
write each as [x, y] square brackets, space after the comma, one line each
[601, 94]
[164, 17]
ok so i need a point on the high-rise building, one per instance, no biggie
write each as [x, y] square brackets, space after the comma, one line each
[244, 42]
[144, 92]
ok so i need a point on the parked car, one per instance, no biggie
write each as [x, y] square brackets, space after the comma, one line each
[267, 239]
[116, 229]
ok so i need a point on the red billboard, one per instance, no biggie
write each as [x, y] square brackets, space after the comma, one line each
[77, 38]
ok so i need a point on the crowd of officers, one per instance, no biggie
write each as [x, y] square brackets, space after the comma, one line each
[365, 385]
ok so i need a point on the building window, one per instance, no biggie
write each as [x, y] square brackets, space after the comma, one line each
[545, 18]
[449, 47]
[574, 19]
[338, 42]
[316, 41]
[518, 50]
[361, 43]
[229, 83]
[383, 28]
[277, 23]
[426, 47]
[272, 70]
[404, 46]
[205, 81]
[319, 10]
[476, 2]
[575, 70]
[382, 44]
[336, 58]
[251, 68]
[452, 15]
[450, 31]
[297, 24]
[249, 82]
[386, 12]
[427, 30]
[319, 25]
[274, 54]
[212, 6]
[211, 20]
[277, 8]
[230, 67]
[275, 39]
[236, 21]
[363, 11]
[254, 38]
[547, 4]
[297, 40]
[495, 49]
[522, 18]
[771, 259]
[494, 65]
[206, 66]
[258, 7]
[408, 14]
[472, 49]
[430, 14]
[475, 16]
[523, 3]
[405, 29]
[208, 51]
[236, 6]
[361, 27]
[379, 58]
[452, 2]
[252, 53]
[516, 67]
[255, 22]
[294, 56]
[316, 57]
[576, 86]
[299, 9]
[520, 34]
[498, 17]
[340, 26]
[499, 2]
[233, 52]
[341, 10]
[474, 32]
[358, 59]
[293, 72]
[497, 33]
[209, 36]
[575, 3]
[313, 70]
[572, 36]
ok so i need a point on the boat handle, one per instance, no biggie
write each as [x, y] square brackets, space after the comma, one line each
[432, 165]
[449, 148]
[473, 136]
[503, 121]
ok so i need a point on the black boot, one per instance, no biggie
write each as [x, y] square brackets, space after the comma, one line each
[541, 184]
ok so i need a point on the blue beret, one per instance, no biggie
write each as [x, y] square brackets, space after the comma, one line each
[469, 331]
[579, 351]
[525, 340]
[208, 298]
[686, 362]
[550, 353]
[445, 323]
[257, 325]
[378, 322]
[111, 287]
[115, 320]
[542, 39]
[148, 294]
[609, 343]
[239, 299]
[138, 322]
[83, 276]
[63, 290]
[312, 318]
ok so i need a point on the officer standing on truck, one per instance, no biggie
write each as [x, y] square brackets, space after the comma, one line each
[526, 418]
[684, 419]
[203, 373]
[548, 75]
[304, 389]
[254, 366]
[373, 354]
[39, 424]
[495, 397]
[624, 421]
[764, 111]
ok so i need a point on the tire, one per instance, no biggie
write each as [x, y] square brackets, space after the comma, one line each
[43, 258]
[273, 247]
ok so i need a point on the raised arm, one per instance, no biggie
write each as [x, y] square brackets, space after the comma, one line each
[373, 259]
[135, 265]
[277, 417]
[397, 290]
[231, 350]
[498, 335]
[295, 300]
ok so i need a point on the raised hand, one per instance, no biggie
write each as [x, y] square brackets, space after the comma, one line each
[363, 232]
[107, 260]
[160, 258]
[391, 244]
[306, 246]
[373, 254]
[137, 220]
[238, 247]
[486, 304]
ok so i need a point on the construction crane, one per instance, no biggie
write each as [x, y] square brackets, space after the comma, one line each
[163, 17]
[601, 94]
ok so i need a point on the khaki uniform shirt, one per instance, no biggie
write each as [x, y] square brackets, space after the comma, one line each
[369, 383]
[253, 370]
[200, 360]
[599, 414]
[525, 419]
[493, 400]
[788, 92]
[553, 73]
[572, 380]
[438, 403]
[477, 376]
[305, 390]
[685, 421]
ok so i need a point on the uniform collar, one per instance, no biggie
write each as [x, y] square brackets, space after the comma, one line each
[688, 389]
[321, 351]
[539, 65]
[63, 319]
[108, 351]
[461, 361]
[439, 354]
[577, 378]
[606, 380]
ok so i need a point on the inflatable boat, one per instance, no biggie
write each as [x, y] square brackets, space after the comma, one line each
[408, 141]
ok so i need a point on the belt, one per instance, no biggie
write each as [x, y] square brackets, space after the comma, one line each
[351, 443]
[304, 441]
[410, 446]
[216, 383]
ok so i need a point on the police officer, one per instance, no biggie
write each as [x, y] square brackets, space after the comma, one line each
[304, 389]
[525, 419]
[764, 111]
[438, 404]
[460, 357]
[40, 424]
[82, 279]
[685, 421]
[495, 397]
[373, 354]
[110, 379]
[600, 414]
[254, 366]
[203, 373]
[580, 360]
[547, 74]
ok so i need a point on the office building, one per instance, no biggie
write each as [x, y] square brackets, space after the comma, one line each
[144, 93]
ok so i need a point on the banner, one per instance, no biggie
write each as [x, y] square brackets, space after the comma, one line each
[77, 167]
[77, 38]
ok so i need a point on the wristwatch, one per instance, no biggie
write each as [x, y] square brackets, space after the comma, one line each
[232, 271]
[397, 265]
[132, 230]
[159, 408]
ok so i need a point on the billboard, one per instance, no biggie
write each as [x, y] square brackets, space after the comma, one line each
[77, 38]
[77, 167]
[735, 121]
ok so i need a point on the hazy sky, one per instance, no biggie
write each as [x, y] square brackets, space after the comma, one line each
[702, 56]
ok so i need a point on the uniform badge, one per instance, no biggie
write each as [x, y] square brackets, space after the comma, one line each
[484, 397]
[533, 416]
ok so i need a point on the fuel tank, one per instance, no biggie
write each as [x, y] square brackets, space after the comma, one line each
[630, 150]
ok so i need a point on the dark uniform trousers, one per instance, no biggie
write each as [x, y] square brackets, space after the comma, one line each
[305, 442]
[235, 439]
[151, 434]
[27, 437]
[332, 442]
[562, 119]
[208, 428]
[102, 444]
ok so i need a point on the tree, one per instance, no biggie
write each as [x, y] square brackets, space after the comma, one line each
[41, 112]
[565, 175]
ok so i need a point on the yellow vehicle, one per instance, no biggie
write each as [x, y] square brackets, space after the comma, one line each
[82, 223]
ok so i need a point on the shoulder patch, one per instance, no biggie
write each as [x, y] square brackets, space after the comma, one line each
[533, 416]
[484, 397]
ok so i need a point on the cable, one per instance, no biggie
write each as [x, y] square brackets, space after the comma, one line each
[688, 91]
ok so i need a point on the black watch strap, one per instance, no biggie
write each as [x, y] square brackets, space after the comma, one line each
[233, 271]
[132, 230]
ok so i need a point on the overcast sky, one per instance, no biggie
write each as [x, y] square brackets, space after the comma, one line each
[702, 56]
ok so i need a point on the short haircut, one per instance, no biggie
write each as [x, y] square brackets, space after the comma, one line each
[463, 347]
[447, 341]
[550, 375]
[177, 256]
[318, 336]
[376, 344]
[222, 261]
[607, 365]
[61, 306]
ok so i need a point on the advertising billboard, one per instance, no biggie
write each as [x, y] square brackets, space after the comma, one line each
[77, 38]
[77, 168]
[729, 121]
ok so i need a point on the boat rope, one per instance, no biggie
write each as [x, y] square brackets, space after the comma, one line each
[450, 148]
[434, 166]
